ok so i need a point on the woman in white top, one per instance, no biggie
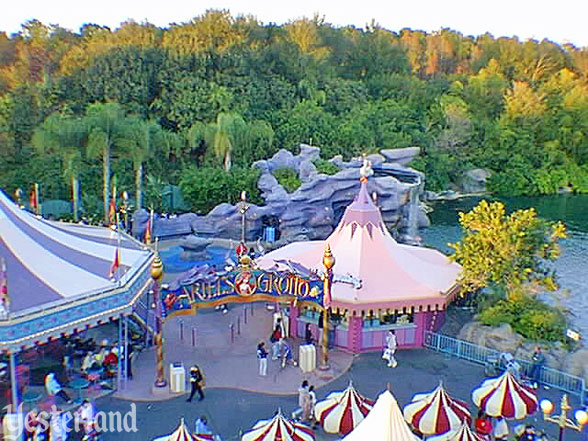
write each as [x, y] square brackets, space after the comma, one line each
[391, 345]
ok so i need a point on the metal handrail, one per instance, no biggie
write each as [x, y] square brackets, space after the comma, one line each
[465, 350]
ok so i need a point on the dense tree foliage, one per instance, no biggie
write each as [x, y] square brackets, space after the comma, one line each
[504, 256]
[217, 91]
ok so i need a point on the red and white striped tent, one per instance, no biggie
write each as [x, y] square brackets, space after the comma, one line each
[203, 437]
[180, 434]
[342, 411]
[464, 433]
[505, 396]
[436, 412]
[279, 429]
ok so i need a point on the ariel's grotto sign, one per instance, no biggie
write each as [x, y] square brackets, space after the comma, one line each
[242, 285]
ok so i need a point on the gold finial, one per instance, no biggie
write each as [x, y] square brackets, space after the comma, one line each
[245, 260]
[156, 268]
[328, 259]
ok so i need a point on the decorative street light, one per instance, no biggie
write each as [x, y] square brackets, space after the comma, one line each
[157, 275]
[328, 263]
[243, 207]
[562, 419]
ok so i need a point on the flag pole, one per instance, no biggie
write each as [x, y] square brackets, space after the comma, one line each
[37, 199]
[118, 248]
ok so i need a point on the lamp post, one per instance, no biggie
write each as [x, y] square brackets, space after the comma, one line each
[157, 275]
[328, 263]
[125, 209]
[243, 207]
[562, 419]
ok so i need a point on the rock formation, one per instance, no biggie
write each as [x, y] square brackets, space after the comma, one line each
[314, 209]
[504, 339]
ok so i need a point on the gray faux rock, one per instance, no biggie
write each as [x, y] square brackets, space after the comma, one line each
[306, 171]
[401, 156]
[501, 338]
[474, 181]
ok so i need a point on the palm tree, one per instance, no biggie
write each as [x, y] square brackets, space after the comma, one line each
[140, 141]
[66, 137]
[106, 131]
[222, 138]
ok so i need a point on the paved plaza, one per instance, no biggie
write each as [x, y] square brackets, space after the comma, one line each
[236, 397]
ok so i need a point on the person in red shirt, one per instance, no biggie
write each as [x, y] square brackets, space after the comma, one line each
[483, 425]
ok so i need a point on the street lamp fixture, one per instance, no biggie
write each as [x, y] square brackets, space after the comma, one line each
[562, 419]
[243, 207]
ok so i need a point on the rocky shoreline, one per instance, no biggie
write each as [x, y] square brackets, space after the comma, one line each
[461, 323]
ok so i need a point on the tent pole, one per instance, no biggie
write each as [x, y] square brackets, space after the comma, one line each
[120, 353]
[13, 382]
[127, 350]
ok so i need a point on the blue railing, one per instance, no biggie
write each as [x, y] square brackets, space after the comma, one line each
[481, 355]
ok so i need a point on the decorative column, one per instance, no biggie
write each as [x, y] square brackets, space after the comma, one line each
[328, 263]
[157, 275]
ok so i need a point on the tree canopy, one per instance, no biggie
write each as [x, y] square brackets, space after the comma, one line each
[230, 90]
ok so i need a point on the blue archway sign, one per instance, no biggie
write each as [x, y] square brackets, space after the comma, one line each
[207, 288]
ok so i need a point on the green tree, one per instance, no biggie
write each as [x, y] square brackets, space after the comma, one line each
[506, 251]
[140, 141]
[66, 137]
[106, 131]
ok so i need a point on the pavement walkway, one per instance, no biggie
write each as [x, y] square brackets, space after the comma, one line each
[236, 396]
[226, 363]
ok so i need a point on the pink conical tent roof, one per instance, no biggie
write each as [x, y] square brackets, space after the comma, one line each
[392, 275]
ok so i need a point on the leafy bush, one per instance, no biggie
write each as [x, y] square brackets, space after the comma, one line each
[529, 317]
[325, 167]
[204, 188]
[288, 179]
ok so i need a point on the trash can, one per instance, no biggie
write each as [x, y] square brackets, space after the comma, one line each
[307, 358]
[13, 427]
[177, 378]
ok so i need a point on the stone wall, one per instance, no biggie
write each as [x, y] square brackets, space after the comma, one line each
[313, 210]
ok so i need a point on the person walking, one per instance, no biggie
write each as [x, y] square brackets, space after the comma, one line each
[303, 398]
[538, 359]
[197, 383]
[262, 357]
[390, 349]
[275, 339]
[311, 402]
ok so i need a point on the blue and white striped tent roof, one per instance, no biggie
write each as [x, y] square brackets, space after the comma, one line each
[49, 263]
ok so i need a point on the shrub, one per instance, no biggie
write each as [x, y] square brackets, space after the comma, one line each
[529, 317]
[206, 187]
[325, 167]
[288, 179]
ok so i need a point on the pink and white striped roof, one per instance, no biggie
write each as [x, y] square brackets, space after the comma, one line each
[436, 412]
[279, 429]
[505, 396]
[48, 262]
[342, 411]
[392, 275]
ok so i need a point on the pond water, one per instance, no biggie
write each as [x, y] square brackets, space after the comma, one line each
[572, 265]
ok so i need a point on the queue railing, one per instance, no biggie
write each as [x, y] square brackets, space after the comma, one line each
[454, 347]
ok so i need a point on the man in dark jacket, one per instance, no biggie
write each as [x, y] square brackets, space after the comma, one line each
[196, 381]
[538, 359]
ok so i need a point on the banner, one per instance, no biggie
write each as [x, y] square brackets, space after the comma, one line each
[242, 285]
